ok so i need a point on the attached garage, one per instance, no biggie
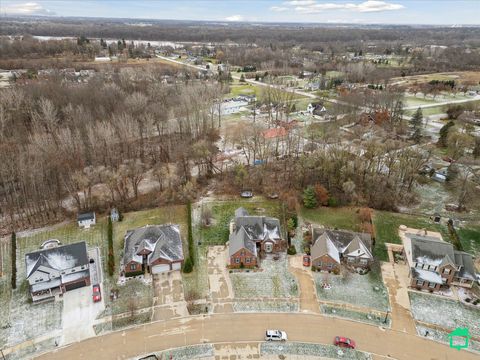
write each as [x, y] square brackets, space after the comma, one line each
[157, 269]
[75, 285]
[177, 266]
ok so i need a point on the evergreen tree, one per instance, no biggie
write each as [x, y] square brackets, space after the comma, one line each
[14, 260]
[416, 125]
[442, 140]
[190, 235]
[476, 148]
[111, 258]
[309, 198]
[242, 78]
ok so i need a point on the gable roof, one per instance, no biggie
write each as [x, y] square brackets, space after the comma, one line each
[86, 216]
[431, 250]
[344, 242]
[249, 229]
[57, 258]
[465, 262]
[162, 241]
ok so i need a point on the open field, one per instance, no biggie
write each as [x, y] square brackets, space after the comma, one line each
[386, 229]
[470, 239]
[458, 76]
[341, 218]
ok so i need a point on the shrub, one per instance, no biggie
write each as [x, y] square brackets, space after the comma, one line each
[111, 258]
[135, 273]
[332, 202]
[190, 234]
[188, 266]
[291, 250]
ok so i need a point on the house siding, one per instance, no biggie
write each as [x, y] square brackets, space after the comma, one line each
[424, 285]
[325, 263]
[237, 259]
[128, 269]
[448, 278]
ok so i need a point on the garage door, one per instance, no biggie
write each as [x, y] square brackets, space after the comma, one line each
[157, 269]
[176, 266]
[75, 285]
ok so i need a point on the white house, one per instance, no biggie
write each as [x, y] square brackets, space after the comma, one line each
[86, 220]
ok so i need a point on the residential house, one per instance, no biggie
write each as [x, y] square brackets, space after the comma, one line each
[54, 270]
[153, 249]
[86, 220]
[332, 247]
[434, 263]
[317, 109]
[251, 235]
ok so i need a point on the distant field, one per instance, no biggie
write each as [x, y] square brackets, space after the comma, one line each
[458, 76]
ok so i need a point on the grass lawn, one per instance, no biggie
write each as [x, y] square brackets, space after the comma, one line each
[386, 229]
[345, 218]
[224, 211]
[242, 88]
[366, 291]
[470, 239]
[443, 312]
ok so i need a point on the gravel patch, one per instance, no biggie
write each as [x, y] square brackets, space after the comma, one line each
[305, 349]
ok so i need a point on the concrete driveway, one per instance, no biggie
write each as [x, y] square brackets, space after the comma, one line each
[218, 279]
[79, 314]
[308, 296]
[169, 298]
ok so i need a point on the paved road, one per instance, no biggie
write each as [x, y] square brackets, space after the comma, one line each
[237, 327]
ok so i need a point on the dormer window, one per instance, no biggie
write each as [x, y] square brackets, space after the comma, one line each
[446, 271]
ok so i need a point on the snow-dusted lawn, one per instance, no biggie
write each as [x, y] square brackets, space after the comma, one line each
[442, 336]
[265, 306]
[305, 349]
[360, 290]
[187, 352]
[26, 320]
[369, 318]
[446, 313]
[273, 281]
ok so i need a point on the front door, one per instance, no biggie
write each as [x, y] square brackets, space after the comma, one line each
[268, 247]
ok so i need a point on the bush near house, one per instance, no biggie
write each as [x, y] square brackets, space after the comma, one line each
[111, 258]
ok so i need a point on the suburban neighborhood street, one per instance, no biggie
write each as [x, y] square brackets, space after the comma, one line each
[235, 327]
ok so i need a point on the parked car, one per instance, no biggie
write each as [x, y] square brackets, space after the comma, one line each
[275, 335]
[344, 342]
[306, 260]
[97, 295]
[246, 194]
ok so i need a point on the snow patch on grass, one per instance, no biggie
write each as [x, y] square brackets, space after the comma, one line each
[369, 318]
[266, 306]
[305, 349]
[442, 336]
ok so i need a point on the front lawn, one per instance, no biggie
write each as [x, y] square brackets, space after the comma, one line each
[446, 313]
[345, 218]
[386, 229]
[366, 291]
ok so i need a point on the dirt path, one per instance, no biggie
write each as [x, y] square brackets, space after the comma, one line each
[395, 277]
[308, 296]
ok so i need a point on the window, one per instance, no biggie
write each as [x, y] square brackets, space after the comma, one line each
[350, 259]
[73, 270]
[268, 247]
[133, 267]
[237, 260]
[329, 266]
[420, 282]
[242, 253]
[431, 285]
[446, 271]
[247, 260]
[363, 261]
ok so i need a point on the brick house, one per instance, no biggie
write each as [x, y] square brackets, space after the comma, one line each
[153, 249]
[252, 235]
[53, 271]
[434, 263]
[332, 247]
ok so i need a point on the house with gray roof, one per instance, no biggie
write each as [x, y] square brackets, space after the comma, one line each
[252, 235]
[435, 264]
[332, 247]
[57, 269]
[85, 220]
[153, 249]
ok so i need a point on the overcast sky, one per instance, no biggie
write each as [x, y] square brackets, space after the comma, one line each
[330, 11]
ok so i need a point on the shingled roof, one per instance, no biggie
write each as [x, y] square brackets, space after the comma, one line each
[161, 241]
[343, 242]
[58, 258]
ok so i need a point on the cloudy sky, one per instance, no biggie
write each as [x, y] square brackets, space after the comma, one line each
[329, 11]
